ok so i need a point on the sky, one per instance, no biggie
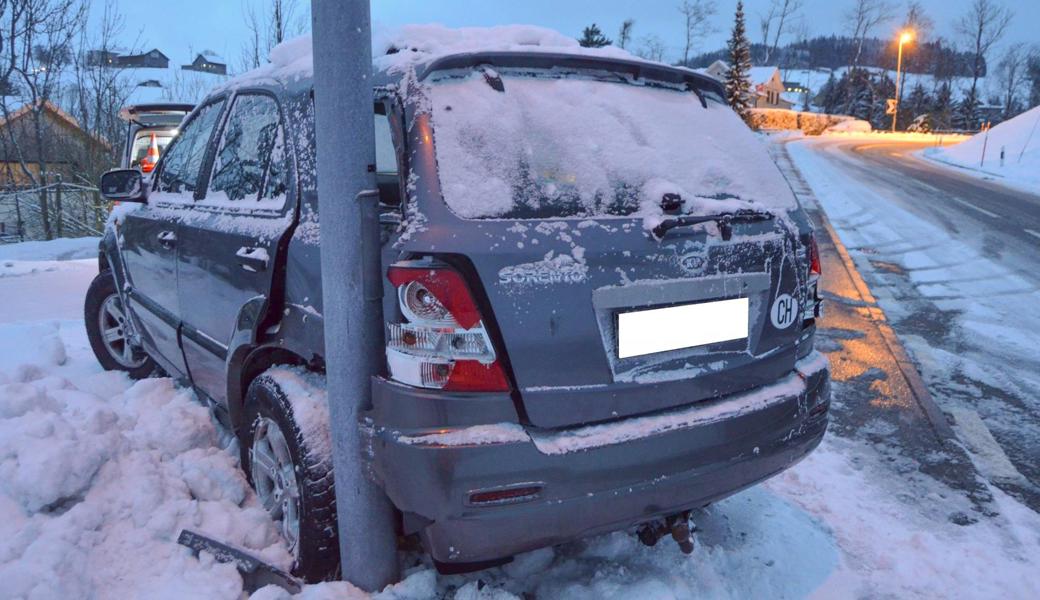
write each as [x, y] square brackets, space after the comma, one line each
[182, 25]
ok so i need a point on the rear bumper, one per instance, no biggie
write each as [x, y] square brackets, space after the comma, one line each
[593, 479]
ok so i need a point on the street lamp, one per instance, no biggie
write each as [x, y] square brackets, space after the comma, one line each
[904, 38]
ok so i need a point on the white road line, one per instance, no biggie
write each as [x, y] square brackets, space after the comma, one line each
[986, 453]
[973, 207]
[1033, 233]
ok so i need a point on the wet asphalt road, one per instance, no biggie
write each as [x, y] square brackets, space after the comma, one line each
[1003, 226]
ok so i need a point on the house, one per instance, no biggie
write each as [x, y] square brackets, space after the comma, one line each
[208, 62]
[69, 154]
[766, 85]
[67, 149]
[153, 59]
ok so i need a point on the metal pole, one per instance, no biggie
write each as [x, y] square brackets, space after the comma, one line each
[899, 70]
[351, 278]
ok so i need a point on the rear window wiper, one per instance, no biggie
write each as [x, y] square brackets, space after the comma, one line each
[725, 221]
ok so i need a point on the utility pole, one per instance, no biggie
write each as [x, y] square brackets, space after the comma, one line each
[351, 277]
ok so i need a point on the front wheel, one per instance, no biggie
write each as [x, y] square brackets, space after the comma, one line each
[108, 330]
[286, 454]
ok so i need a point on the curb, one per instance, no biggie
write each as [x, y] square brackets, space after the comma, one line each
[932, 412]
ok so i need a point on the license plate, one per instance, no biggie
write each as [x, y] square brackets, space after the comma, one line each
[687, 326]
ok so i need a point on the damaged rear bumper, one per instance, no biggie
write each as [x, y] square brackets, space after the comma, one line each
[594, 479]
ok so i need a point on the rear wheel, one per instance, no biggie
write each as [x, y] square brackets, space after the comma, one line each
[291, 470]
[108, 330]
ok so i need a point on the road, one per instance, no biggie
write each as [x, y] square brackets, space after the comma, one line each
[954, 262]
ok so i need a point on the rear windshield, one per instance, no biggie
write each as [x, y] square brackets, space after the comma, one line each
[557, 145]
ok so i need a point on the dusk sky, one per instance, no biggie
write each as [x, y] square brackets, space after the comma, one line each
[217, 24]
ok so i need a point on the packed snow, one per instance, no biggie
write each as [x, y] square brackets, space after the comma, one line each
[1009, 151]
[98, 474]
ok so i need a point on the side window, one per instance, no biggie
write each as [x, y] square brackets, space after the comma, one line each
[386, 157]
[251, 159]
[183, 161]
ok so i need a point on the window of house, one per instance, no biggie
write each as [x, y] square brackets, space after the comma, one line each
[250, 165]
[183, 162]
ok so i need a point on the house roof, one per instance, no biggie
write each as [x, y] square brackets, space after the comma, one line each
[757, 75]
[61, 117]
[211, 56]
[146, 54]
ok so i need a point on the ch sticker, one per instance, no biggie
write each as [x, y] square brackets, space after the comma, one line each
[784, 310]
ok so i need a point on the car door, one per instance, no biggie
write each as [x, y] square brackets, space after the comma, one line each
[149, 239]
[229, 249]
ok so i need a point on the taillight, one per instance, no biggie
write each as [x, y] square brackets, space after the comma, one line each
[815, 268]
[442, 343]
[813, 307]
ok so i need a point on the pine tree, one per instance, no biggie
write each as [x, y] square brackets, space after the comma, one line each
[943, 108]
[592, 37]
[882, 89]
[828, 95]
[918, 103]
[738, 83]
[966, 116]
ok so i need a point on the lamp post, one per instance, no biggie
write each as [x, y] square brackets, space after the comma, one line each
[351, 278]
[904, 38]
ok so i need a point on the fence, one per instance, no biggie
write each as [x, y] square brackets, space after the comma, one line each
[51, 211]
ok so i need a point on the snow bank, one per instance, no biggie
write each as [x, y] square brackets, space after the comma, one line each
[59, 249]
[98, 475]
[1019, 138]
[851, 126]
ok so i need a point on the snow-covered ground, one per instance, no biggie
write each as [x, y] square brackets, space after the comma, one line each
[1018, 139]
[98, 475]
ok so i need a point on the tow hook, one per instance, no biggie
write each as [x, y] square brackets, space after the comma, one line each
[678, 525]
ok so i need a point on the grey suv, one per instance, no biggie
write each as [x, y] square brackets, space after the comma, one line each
[599, 298]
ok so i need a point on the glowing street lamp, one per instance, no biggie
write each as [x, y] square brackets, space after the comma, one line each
[904, 38]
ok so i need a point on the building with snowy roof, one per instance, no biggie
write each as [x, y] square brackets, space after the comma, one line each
[207, 62]
[766, 85]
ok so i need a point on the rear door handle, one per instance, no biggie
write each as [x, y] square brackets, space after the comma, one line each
[167, 239]
[252, 259]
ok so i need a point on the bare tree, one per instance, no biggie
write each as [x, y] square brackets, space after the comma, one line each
[782, 12]
[36, 49]
[863, 17]
[625, 33]
[100, 90]
[697, 16]
[981, 28]
[651, 47]
[270, 22]
[1012, 73]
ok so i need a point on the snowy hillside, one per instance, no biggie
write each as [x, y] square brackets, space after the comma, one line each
[1018, 138]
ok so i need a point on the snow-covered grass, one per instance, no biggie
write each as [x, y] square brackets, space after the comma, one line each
[98, 474]
[1018, 139]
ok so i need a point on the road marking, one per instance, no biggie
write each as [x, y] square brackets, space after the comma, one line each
[1033, 233]
[973, 207]
[989, 458]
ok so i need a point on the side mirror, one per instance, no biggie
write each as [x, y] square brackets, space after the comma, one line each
[124, 185]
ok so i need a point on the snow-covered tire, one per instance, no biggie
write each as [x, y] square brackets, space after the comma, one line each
[293, 401]
[103, 313]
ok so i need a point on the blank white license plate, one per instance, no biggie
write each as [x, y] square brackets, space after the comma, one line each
[663, 329]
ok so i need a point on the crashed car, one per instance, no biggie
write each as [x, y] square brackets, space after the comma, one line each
[600, 298]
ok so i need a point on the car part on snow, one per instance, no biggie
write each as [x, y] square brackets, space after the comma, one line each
[678, 525]
[255, 572]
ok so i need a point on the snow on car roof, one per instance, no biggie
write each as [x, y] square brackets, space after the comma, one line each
[394, 51]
